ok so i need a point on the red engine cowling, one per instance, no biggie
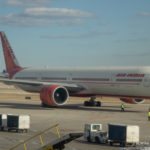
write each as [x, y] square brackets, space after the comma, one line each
[132, 100]
[54, 95]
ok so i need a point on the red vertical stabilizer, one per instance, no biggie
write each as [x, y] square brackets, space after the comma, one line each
[12, 65]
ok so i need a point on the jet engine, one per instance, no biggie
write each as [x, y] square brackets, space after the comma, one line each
[54, 95]
[132, 100]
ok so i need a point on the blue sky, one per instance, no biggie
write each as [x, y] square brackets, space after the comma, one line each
[77, 32]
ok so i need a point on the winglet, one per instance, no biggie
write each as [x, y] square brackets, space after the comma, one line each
[11, 62]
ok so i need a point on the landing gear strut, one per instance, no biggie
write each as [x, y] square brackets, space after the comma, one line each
[92, 102]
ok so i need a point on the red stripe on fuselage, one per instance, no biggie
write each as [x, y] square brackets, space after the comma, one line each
[91, 79]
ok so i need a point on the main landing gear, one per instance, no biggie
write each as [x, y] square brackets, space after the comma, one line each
[92, 102]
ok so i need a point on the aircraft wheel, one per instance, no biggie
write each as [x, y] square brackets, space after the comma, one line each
[2, 128]
[98, 104]
[97, 140]
[86, 103]
[88, 139]
[123, 144]
[111, 143]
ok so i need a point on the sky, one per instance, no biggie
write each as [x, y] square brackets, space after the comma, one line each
[82, 33]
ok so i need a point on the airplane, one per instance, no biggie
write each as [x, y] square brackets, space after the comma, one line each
[55, 85]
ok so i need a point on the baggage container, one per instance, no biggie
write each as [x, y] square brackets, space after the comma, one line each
[18, 122]
[123, 134]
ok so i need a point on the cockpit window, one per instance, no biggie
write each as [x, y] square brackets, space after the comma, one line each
[95, 127]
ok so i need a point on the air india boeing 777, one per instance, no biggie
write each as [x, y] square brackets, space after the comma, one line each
[55, 85]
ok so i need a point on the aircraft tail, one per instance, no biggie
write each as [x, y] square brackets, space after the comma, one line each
[11, 62]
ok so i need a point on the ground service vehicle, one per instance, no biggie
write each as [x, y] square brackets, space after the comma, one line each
[94, 133]
[123, 134]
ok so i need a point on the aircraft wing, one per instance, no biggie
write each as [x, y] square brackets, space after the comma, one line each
[71, 87]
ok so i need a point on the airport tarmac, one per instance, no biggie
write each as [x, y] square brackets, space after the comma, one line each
[71, 118]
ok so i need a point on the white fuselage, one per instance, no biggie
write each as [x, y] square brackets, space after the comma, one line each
[116, 81]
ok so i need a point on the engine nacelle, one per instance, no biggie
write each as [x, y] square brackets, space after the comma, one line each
[132, 100]
[54, 95]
